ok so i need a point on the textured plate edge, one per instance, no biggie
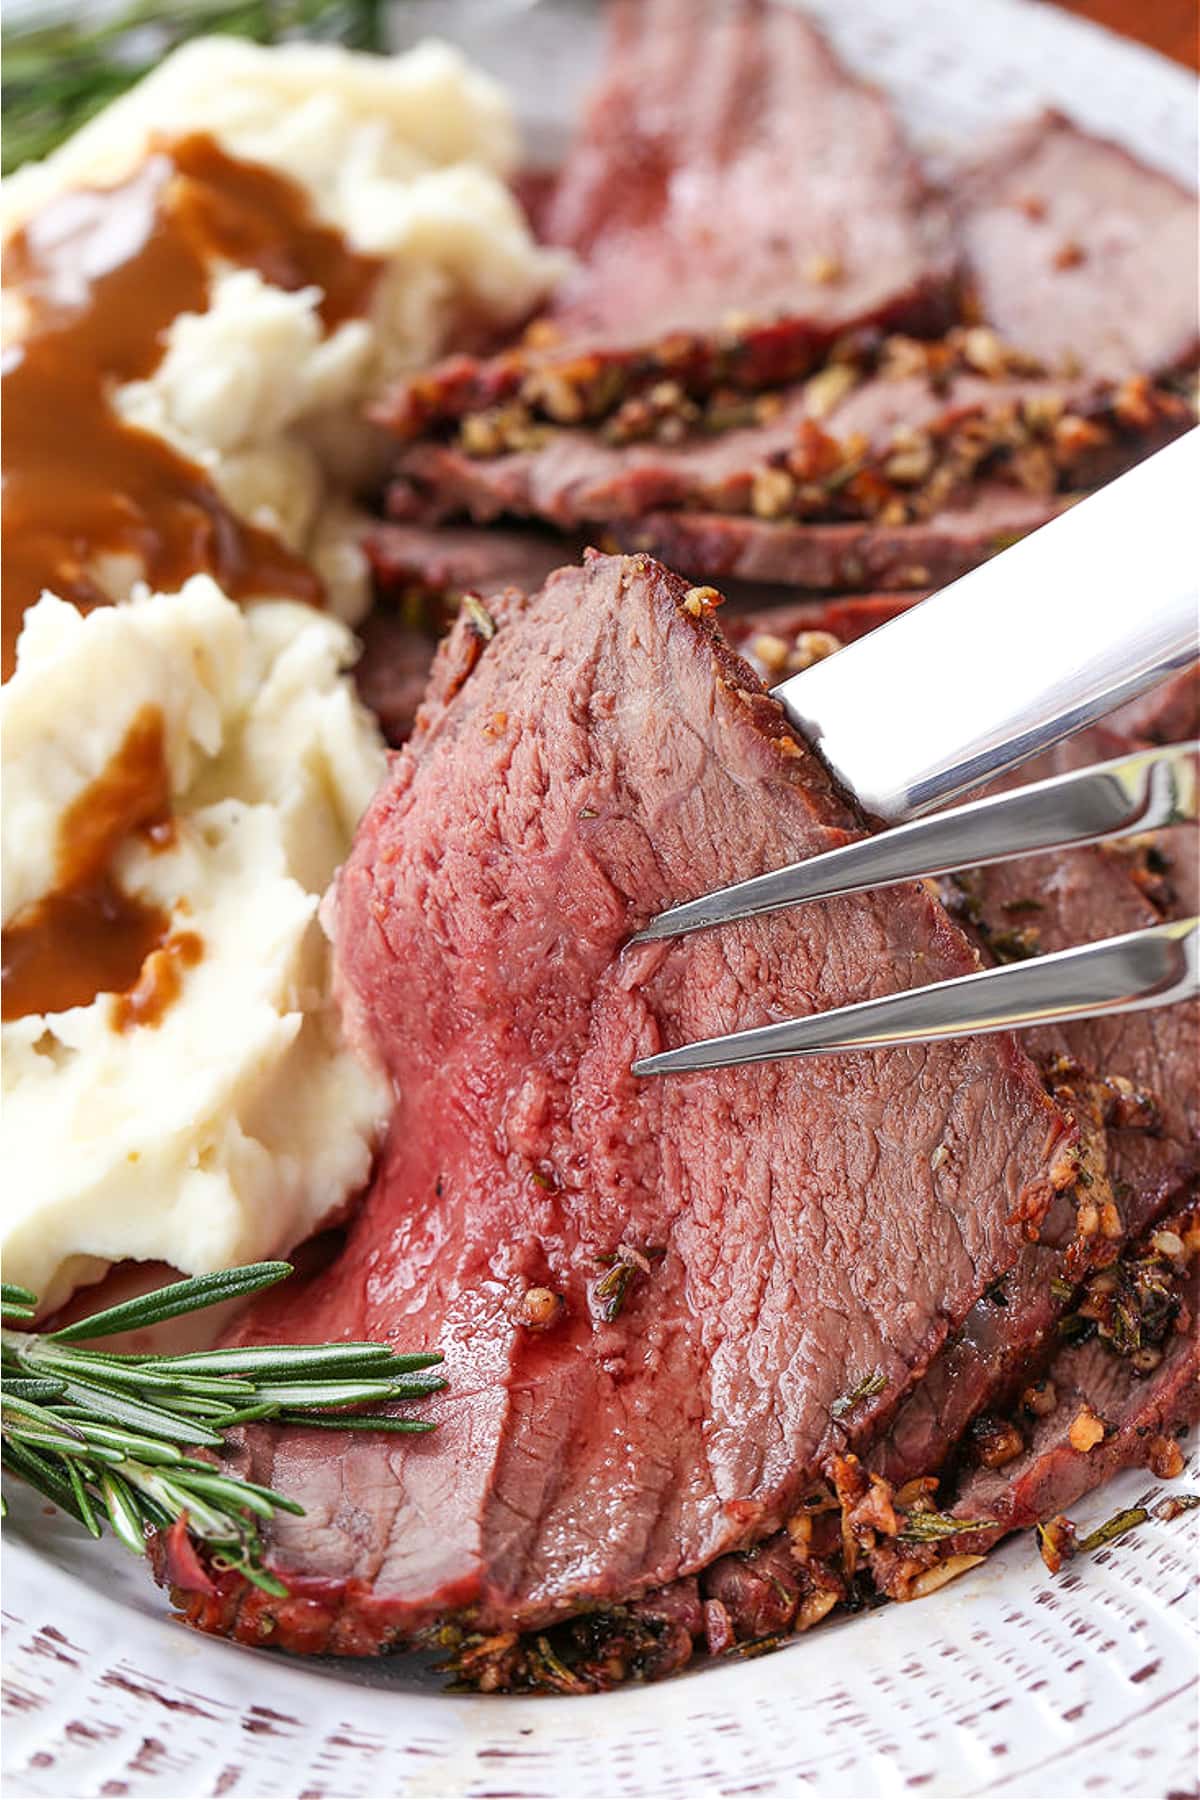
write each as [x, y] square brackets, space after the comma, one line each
[1158, 120]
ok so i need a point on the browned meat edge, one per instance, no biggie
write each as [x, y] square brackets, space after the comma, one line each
[894, 449]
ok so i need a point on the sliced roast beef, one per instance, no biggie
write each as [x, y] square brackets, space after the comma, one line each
[735, 200]
[728, 161]
[1118, 1398]
[1008, 1341]
[1097, 1396]
[781, 640]
[1077, 252]
[448, 562]
[896, 446]
[659, 1301]
[430, 568]
[393, 668]
[422, 571]
[1131, 1075]
[1135, 1071]
[420, 576]
[1031, 908]
[841, 556]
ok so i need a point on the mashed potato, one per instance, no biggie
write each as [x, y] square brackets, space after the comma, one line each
[406, 157]
[232, 1122]
[232, 1127]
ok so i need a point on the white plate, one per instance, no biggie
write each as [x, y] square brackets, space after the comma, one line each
[1007, 1683]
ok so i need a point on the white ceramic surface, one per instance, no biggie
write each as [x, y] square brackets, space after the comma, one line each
[1006, 1683]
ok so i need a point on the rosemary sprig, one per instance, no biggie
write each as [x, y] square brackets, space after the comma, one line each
[58, 74]
[756, 1647]
[611, 1289]
[866, 1389]
[110, 1436]
[930, 1527]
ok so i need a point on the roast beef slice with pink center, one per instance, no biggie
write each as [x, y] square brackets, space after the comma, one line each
[728, 164]
[843, 556]
[1078, 253]
[975, 426]
[436, 564]
[1051, 1474]
[420, 574]
[1152, 1154]
[733, 194]
[448, 561]
[602, 755]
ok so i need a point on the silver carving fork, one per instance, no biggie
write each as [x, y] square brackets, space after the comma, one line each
[1088, 613]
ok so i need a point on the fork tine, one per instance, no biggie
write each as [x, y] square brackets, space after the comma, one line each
[1155, 967]
[1139, 792]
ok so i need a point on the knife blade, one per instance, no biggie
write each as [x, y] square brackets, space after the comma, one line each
[1044, 639]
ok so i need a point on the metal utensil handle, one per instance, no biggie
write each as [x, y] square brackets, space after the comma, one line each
[1144, 791]
[1045, 638]
[1155, 967]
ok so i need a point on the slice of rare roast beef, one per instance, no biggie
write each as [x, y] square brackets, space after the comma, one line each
[892, 446]
[1107, 1412]
[447, 562]
[843, 555]
[1119, 1396]
[735, 200]
[1078, 253]
[663, 1304]
[393, 667]
[1127, 1077]
[728, 160]
[421, 574]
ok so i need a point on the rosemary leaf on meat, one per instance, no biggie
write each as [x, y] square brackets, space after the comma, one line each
[111, 1437]
[551, 1672]
[932, 1527]
[480, 617]
[63, 64]
[756, 1647]
[866, 1389]
[1073, 1328]
[1017, 945]
[611, 1289]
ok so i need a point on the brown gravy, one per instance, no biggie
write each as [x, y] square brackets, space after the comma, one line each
[88, 937]
[159, 981]
[103, 272]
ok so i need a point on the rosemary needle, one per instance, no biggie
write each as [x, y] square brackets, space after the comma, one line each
[108, 1436]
